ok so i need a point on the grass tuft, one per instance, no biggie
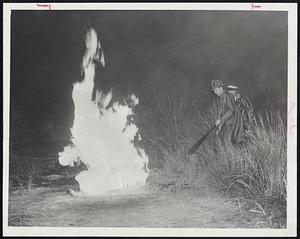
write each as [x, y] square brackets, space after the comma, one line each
[176, 118]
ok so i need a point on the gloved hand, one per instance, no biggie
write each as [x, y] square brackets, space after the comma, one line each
[218, 124]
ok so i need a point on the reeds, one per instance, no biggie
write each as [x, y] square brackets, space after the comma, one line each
[256, 171]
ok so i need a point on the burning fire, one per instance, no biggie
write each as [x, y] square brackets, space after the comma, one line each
[102, 137]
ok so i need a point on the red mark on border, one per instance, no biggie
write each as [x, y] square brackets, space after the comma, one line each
[44, 5]
[254, 7]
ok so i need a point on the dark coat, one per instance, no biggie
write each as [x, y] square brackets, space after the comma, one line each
[231, 118]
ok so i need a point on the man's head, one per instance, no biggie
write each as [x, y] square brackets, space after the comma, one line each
[217, 87]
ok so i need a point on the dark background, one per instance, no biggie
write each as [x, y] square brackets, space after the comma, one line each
[246, 48]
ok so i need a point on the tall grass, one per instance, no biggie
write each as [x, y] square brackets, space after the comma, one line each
[177, 117]
[255, 171]
[256, 168]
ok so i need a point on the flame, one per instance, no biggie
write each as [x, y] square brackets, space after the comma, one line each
[102, 137]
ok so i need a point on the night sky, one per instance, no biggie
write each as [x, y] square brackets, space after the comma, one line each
[47, 48]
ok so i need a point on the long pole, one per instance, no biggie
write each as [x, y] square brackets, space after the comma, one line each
[200, 141]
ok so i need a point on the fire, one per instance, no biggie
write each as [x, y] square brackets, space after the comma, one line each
[102, 138]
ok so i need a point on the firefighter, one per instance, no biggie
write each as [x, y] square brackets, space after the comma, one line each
[230, 120]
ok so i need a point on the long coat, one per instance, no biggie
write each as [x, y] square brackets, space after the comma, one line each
[231, 118]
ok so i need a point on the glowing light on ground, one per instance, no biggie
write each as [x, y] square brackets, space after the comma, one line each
[101, 136]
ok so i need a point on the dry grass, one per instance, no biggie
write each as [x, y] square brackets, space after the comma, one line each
[175, 119]
[256, 171]
[188, 208]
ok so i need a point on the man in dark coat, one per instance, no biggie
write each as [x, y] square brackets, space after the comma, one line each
[230, 119]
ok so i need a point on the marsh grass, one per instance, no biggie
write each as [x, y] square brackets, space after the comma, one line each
[254, 172]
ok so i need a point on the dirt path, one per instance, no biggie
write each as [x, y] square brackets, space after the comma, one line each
[45, 207]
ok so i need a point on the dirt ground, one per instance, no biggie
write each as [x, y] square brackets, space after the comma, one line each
[48, 207]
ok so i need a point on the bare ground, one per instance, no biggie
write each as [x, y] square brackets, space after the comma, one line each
[49, 207]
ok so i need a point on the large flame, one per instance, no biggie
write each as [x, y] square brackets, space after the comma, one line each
[102, 137]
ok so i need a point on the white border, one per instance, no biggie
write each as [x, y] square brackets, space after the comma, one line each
[154, 6]
[93, 231]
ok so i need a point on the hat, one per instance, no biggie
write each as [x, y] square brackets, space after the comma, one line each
[231, 87]
[216, 84]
